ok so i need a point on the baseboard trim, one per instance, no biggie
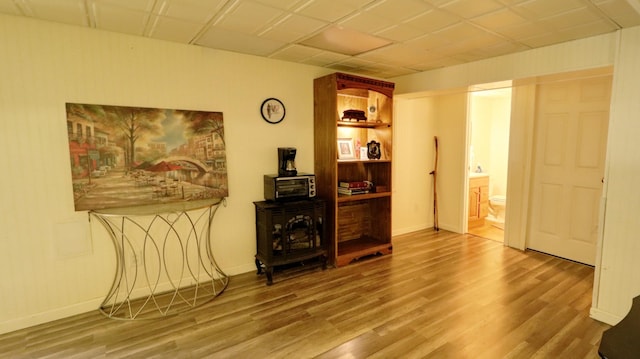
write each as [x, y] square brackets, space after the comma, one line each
[605, 317]
[411, 229]
[94, 304]
[49, 316]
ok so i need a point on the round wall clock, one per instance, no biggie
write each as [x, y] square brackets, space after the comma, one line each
[272, 110]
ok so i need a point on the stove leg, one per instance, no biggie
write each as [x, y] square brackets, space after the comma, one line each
[269, 272]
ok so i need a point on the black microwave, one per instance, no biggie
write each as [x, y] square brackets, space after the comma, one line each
[285, 188]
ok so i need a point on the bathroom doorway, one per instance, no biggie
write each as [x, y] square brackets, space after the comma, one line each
[488, 122]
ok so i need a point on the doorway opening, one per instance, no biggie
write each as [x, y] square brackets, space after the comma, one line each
[488, 120]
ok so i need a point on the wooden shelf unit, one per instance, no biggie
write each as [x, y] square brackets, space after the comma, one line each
[357, 225]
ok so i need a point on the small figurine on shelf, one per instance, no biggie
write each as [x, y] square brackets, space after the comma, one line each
[357, 115]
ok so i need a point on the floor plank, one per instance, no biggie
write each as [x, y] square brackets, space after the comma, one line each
[439, 295]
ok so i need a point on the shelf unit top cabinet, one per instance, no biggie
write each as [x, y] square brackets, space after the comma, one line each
[359, 224]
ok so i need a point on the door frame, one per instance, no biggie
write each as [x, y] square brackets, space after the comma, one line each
[468, 134]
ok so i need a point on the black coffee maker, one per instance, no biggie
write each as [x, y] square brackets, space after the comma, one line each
[287, 161]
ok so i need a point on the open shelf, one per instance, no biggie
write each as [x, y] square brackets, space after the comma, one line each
[357, 248]
[364, 161]
[360, 197]
[363, 124]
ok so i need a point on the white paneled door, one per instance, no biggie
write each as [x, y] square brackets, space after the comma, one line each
[570, 143]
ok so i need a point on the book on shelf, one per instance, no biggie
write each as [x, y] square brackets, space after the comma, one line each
[355, 184]
[352, 191]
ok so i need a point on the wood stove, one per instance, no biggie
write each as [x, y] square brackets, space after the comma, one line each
[289, 232]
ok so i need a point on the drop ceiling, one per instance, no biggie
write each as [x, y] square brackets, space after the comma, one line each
[407, 36]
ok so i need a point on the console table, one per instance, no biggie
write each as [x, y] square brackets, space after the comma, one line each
[289, 232]
[164, 261]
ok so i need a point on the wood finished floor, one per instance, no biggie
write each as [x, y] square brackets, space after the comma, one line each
[488, 231]
[439, 295]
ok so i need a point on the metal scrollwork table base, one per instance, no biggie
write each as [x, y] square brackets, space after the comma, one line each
[164, 261]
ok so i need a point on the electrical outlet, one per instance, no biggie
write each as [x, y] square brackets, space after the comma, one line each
[140, 258]
[133, 260]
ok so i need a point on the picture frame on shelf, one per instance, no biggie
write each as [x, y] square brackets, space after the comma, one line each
[345, 149]
[373, 150]
[363, 153]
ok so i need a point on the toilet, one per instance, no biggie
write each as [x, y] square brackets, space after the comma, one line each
[497, 205]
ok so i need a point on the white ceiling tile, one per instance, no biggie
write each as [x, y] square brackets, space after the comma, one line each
[295, 53]
[249, 17]
[324, 58]
[453, 49]
[499, 19]
[432, 21]
[139, 5]
[119, 19]
[593, 28]
[504, 48]
[484, 39]
[544, 39]
[399, 10]
[471, 8]
[621, 12]
[367, 22]
[356, 62]
[511, 2]
[469, 56]
[538, 9]
[457, 32]
[397, 54]
[400, 33]
[573, 18]
[436, 63]
[68, 12]
[345, 41]
[224, 39]
[170, 29]
[279, 4]
[199, 11]
[429, 42]
[438, 3]
[293, 28]
[330, 10]
[343, 67]
[367, 68]
[524, 30]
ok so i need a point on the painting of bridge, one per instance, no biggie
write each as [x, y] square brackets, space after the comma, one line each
[135, 156]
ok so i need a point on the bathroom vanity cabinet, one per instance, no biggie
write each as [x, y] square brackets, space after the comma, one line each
[478, 199]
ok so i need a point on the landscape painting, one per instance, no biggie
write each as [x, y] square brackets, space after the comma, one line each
[135, 156]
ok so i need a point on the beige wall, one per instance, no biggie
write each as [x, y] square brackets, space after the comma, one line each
[413, 159]
[54, 263]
